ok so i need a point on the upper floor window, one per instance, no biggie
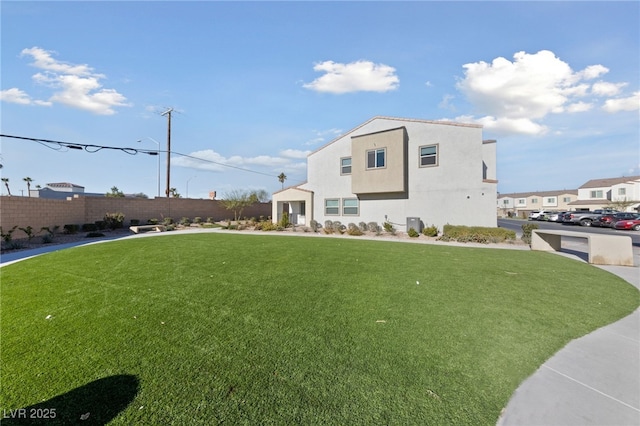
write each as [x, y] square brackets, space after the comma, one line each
[345, 166]
[534, 201]
[596, 194]
[522, 201]
[428, 155]
[622, 191]
[551, 200]
[566, 200]
[376, 158]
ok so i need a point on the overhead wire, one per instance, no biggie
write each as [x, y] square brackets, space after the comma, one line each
[90, 148]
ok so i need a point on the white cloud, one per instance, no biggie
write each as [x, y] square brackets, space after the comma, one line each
[294, 153]
[604, 88]
[15, 96]
[77, 86]
[359, 76]
[211, 160]
[515, 96]
[632, 103]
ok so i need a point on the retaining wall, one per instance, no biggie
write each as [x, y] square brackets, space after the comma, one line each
[42, 212]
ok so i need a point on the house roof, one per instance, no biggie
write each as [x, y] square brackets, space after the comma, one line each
[538, 193]
[296, 187]
[413, 120]
[607, 182]
[64, 185]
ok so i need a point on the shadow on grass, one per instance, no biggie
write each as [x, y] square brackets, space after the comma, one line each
[95, 403]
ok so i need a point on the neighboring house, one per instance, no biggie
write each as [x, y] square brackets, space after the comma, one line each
[523, 203]
[396, 170]
[600, 193]
[61, 190]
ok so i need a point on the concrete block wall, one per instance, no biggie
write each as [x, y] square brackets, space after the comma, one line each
[40, 212]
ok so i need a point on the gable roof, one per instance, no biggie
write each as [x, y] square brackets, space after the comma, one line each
[538, 193]
[381, 117]
[64, 185]
[606, 182]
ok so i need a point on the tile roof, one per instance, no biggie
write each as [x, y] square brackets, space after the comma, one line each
[607, 182]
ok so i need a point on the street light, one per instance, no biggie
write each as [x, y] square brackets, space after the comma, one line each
[157, 143]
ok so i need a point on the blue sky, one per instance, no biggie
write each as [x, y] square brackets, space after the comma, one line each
[256, 86]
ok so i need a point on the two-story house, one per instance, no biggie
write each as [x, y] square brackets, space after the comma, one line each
[392, 169]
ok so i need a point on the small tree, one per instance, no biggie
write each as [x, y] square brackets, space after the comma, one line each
[28, 180]
[237, 200]
[619, 205]
[6, 184]
[115, 192]
[174, 192]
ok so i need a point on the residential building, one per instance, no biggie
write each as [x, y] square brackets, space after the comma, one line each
[522, 203]
[398, 170]
[601, 193]
[61, 190]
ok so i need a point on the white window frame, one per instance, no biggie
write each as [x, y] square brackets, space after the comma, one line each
[435, 155]
[375, 156]
[596, 193]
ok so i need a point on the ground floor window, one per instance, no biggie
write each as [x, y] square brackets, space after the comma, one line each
[350, 206]
[332, 206]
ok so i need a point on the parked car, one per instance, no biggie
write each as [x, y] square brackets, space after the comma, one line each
[536, 214]
[585, 218]
[628, 224]
[608, 220]
[555, 217]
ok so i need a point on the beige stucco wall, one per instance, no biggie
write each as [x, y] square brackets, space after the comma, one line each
[388, 179]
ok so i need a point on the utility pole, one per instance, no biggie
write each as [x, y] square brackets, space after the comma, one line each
[168, 114]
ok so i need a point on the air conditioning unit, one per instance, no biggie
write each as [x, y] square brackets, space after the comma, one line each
[415, 223]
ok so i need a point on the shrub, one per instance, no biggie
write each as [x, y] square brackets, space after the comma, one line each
[388, 227]
[413, 233]
[527, 228]
[210, 220]
[362, 226]
[167, 221]
[431, 231]
[477, 234]
[197, 220]
[70, 228]
[89, 227]
[134, 222]
[114, 220]
[373, 227]
[353, 229]
[29, 231]
[152, 222]
[47, 238]
[185, 221]
[338, 227]
[268, 226]
[314, 225]
[94, 235]
[328, 227]
[7, 237]
[284, 220]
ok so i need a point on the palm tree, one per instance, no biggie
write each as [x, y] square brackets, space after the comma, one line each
[28, 180]
[6, 183]
[282, 177]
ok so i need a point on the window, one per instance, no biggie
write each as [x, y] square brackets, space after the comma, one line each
[332, 206]
[596, 194]
[522, 202]
[345, 166]
[376, 158]
[350, 206]
[622, 191]
[551, 200]
[566, 200]
[428, 155]
[534, 201]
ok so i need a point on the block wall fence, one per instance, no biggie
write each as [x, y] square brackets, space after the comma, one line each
[42, 212]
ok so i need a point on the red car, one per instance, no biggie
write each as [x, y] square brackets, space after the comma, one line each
[628, 224]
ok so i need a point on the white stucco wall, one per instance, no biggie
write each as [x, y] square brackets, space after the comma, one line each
[453, 192]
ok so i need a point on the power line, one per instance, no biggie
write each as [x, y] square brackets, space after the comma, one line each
[92, 149]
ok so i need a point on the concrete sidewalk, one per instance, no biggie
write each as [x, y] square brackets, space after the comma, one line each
[594, 380]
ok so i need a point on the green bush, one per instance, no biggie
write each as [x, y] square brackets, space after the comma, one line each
[89, 227]
[197, 220]
[476, 234]
[210, 220]
[373, 227]
[430, 231]
[268, 226]
[413, 233]
[152, 222]
[70, 228]
[8, 236]
[94, 235]
[527, 228]
[328, 227]
[167, 221]
[29, 231]
[185, 221]
[388, 227]
[114, 220]
[284, 220]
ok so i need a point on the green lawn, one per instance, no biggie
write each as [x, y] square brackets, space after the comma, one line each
[251, 329]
